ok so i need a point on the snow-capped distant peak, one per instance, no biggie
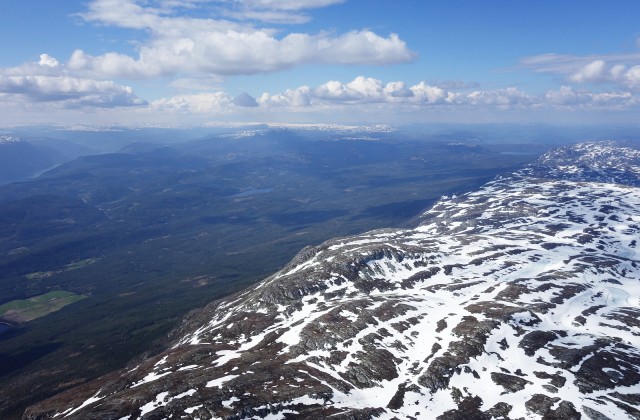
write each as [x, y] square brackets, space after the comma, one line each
[9, 139]
[242, 134]
[336, 128]
[376, 128]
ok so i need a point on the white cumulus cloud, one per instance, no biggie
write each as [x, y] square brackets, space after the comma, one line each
[182, 44]
[366, 90]
[202, 103]
[508, 97]
[362, 89]
[300, 97]
[47, 81]
[70, 92]
[621, 70]
[47, 60]
[422, 92]
[363, 92]
[568, 97]
[592, 72]
[599, 71]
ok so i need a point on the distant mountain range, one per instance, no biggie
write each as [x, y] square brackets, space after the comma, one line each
[21, 159]
[518, 300]
[25, 157]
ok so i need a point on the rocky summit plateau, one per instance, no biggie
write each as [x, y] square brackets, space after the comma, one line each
[520, 300]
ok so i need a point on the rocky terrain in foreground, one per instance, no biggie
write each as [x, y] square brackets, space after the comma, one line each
[519, 300]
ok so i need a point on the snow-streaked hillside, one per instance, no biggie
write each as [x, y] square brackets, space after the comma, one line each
[520, 300]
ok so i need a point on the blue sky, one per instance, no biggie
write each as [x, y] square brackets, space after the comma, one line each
[348, 61]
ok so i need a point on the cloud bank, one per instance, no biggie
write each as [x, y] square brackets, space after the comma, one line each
[621, 70]
[49, 82]
[189, 51]
[182, 44]
[363, 93]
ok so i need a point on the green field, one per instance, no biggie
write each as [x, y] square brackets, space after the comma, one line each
[29, 309]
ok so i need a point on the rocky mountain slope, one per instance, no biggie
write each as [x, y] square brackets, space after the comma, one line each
[520, 300]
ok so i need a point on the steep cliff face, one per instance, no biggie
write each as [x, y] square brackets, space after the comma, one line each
[519, 300]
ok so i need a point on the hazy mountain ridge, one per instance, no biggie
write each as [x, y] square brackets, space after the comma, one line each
[23, 158]
[519, 300]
